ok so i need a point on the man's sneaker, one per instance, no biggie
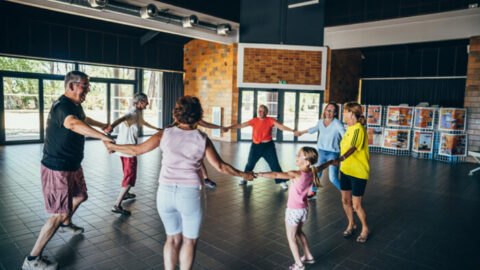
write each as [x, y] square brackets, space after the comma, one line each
[209, 183]
[284, 185]
[129, 196]
[38, 263]
[311, 194]
[120, 210]
[71, 228]
[242, 182]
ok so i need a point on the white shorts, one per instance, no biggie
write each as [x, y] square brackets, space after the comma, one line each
[295, 216]
[181, 209]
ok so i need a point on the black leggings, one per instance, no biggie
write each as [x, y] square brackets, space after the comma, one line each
[268, 152]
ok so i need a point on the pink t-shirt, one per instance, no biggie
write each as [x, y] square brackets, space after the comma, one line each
[297, 193]
[182, 155]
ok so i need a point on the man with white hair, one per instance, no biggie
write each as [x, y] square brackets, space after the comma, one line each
[63, 183]
[129, 127]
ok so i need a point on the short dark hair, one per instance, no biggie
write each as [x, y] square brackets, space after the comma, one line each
[75, 77]
[188, 110]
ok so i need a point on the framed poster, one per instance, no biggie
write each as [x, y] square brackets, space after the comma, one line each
[375, 136]
[453, 145]
[423, 141]
[452, 119]
[424, 118]
[396, 139]
[399, 116]
[374, 115]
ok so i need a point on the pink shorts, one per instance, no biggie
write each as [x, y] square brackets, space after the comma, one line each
[129, 165]
[60, 187]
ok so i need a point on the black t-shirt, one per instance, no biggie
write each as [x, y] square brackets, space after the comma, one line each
[63, 148]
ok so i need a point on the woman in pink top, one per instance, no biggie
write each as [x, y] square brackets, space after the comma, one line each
[180, 195]
[297, 206]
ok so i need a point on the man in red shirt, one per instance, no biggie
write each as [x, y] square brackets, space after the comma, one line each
[262, 145]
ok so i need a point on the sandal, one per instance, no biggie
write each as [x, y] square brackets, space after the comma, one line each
[349, 233]
[120, 210]
[297, 267]
[362, 238]
[129, 196]
[305, 261]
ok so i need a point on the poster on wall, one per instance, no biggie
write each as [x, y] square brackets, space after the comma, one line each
[374, 115]
[423, 142]
[399, 116]
[453, 145]
[452, 119]
[375, 136]
[424, 118]
[396, 139]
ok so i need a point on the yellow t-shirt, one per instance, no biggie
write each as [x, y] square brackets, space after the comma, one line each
[356, 164]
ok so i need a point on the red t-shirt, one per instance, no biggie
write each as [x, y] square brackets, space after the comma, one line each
[262, 129]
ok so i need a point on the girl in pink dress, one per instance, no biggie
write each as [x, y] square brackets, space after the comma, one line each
[297, 206]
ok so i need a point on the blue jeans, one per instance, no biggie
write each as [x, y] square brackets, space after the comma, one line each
[324, 156]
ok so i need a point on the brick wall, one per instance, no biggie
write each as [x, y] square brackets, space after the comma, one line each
[274, 65]
[472, 95]
[344, 72]
[211, 75]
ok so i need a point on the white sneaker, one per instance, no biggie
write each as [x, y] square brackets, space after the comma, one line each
[284, 185]
[40, 263]
[242, 182]
[72, 228]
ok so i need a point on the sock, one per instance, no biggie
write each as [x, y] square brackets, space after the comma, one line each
[31, 258]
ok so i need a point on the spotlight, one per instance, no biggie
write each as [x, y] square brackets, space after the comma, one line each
[149, 11]
[98, 3]
[189, 21]
[223, 29]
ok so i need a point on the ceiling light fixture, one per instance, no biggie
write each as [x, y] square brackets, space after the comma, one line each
[98, 3]
[149, 11]
[189, 21]
[223, 29]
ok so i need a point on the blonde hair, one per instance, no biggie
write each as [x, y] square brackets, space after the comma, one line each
[357, 110]
[311, 155]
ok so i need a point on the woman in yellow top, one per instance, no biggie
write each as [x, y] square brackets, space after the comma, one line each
[354, 168]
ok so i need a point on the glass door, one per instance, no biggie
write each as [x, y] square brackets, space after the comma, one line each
[247, 112]
[52, 90]
[21, 103]
[120, 101]
[269, 99]
[95, 105]
[289, 115]
[308, 114]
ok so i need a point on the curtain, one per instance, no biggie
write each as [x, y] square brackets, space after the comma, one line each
[442, 92]
[172, 90]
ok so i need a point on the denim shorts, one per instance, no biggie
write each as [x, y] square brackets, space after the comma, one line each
[181, 209]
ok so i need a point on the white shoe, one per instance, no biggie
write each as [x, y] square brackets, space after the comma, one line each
[284, 185]
[242, 182]
[71, 228]
[40, 263]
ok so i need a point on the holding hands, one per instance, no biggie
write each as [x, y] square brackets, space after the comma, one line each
[108, 129]
[249, 176]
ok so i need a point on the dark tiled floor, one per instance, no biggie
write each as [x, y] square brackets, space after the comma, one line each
[423, 215]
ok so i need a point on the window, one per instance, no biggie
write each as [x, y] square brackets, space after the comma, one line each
[108, 72]
[34, 66]
[152, 87]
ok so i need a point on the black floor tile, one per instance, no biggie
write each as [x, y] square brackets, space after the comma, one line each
[423, 215]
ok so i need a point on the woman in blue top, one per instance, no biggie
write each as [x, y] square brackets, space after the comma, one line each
[330, 132]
